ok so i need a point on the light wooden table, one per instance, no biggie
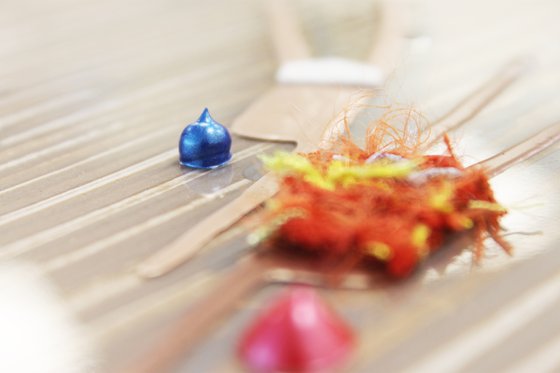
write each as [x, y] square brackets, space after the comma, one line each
[94, 95]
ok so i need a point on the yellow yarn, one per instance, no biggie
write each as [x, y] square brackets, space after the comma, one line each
[380, 250]
[440, 199]
[420, 235]
[338, 173]
[485, 205]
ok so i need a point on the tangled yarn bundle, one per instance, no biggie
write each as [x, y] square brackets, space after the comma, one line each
[387, 202]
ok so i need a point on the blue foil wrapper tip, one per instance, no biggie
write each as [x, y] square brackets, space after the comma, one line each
[205, 143]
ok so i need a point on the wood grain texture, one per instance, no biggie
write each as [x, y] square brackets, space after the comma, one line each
[93, 97]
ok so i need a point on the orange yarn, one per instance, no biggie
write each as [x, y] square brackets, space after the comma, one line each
[397, 221]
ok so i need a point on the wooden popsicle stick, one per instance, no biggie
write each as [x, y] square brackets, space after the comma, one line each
[251, 273]
[522, 151]
[389, 40]
[286, 33]
[478, 100]
[188, 245]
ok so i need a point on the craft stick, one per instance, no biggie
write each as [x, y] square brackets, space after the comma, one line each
[252, 272]
[188, 245]
[521, 151]
[389, 40]
[479, 99]
[286, 33]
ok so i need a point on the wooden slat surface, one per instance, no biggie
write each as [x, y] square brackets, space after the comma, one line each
[94, 94]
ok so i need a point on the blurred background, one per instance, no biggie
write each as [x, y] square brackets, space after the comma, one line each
[93, 97]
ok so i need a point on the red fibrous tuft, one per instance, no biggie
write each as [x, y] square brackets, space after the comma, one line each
[397, 221]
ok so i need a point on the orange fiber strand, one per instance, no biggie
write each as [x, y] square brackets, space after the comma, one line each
[386, 202]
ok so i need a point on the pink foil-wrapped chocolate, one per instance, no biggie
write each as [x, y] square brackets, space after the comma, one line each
[298, 333]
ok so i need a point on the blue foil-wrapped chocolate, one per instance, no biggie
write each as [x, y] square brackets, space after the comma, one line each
[205, 143]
